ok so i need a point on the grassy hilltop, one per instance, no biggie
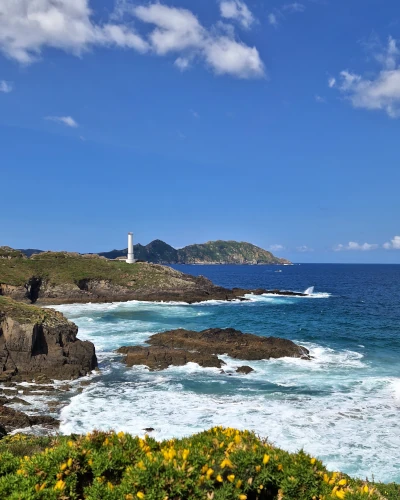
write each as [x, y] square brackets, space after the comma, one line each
[219, 464]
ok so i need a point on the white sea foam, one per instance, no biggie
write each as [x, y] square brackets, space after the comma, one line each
[336, 406]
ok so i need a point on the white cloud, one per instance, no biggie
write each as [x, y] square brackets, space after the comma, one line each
[194, 113]
[66, 120]
[381, 92]
[272, 19]
[354, 246]
[331, 82]
[394, 244]
[320, 99]
[5, 87]
[27, 27]
[294, 7]
[179, 30]
[304, 248]
[276, 248]
[237, 10]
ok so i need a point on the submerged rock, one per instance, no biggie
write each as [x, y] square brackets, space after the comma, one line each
[244, 369]
[178, 347]
[41, 344]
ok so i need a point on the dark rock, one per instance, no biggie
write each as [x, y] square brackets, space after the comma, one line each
[18, 401]
[231, 342]
[40, 345]
[244, 369]
[3, 431]
[178, 347]
[3, 400]
[11, 419]
[160, 357]
[148, 429]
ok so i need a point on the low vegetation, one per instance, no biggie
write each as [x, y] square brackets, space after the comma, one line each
[218, 464]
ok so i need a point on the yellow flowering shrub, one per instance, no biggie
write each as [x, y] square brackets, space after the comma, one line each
[219, 464]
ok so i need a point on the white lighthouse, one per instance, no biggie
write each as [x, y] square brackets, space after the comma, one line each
[131, 257]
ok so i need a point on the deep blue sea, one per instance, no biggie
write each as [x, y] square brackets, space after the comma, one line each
[343, 406]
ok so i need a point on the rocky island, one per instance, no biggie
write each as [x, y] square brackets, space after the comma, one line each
[178, 347]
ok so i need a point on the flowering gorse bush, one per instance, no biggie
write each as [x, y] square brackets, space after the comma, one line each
[216, 464]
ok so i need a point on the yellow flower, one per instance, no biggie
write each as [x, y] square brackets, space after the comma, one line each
[231, 477]
[239, 483]
[69, 462]
[365, 489]
[140, 494]
[226, 463]
[204, 469]
[60, 485]
[110, 486]
[63, 466]
[185, 454]
[70, 444]
[326, 478]
[209, 473]
[242, 497]
[341, 494]
[258, 468]
[342, 482]
[280, 467]
[37, 487]
[237, 439]
[266, 459]
[312, 461]
[219, 478]
[129, 496]
[121, 434]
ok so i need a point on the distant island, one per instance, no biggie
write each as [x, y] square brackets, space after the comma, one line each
[212, 252]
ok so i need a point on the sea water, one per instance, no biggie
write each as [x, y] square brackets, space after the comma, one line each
[343, 406]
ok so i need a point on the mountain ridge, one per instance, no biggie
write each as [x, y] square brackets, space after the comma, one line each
[211, 252]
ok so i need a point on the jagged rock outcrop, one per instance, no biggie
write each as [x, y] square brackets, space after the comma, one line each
[178, 347]
[10, 420]
[36, 342]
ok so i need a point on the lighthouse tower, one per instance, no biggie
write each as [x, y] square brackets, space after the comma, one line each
[131, 257]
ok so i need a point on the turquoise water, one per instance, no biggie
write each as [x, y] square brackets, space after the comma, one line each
[343, 406]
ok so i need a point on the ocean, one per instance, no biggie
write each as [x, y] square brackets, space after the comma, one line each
[343, 406]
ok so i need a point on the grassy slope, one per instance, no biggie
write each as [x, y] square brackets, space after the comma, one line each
[24, 313]
[62, 268]
[218, 464]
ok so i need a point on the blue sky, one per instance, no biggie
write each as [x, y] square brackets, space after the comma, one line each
[265, 121]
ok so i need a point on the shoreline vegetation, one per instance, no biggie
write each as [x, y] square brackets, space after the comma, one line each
[219, 464]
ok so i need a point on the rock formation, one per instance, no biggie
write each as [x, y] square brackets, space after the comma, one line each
[178, 347]
[36, 342]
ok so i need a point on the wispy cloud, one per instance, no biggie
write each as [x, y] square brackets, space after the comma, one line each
[294, 7]
[65, 120]
[194, 113]
[238, 11]
[5, 87]
[276, 248]
[320, 99]
[394, 244]
[304, 249]
[381, 92]
[354, 246]
[272, 19]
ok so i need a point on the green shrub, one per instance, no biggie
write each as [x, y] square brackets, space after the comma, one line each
[218, 464]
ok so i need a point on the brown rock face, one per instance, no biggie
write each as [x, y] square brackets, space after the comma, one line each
[178, 347]
[11, 420]
[35, 343]
[159, 358]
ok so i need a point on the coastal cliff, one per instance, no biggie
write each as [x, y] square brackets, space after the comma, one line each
[62, 277]
[37, 342]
